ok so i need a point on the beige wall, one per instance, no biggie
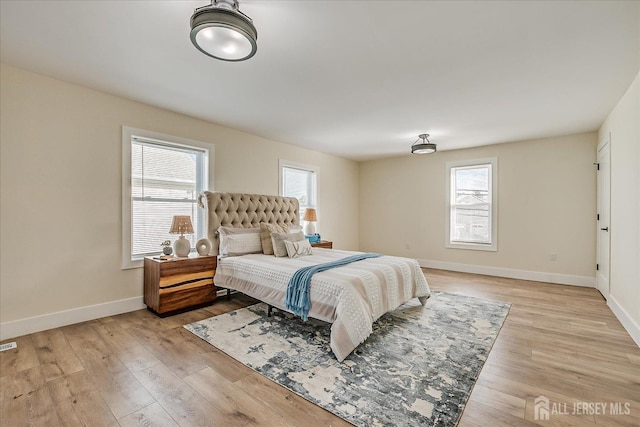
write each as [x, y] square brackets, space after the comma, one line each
[60, 149]
[623, 124]
[60, 152]
[546, 204]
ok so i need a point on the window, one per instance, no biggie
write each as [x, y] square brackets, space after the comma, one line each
[299, 181]
[162, 177]
[472, 201]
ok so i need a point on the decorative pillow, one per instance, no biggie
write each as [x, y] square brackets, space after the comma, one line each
[298, 249]
[265, 235]
[295, 228]
[279, 239]
[239, 241]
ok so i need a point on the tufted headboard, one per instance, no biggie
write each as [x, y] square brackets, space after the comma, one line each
[245, 210]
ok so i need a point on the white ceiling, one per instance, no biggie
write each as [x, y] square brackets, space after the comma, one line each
[360, 79]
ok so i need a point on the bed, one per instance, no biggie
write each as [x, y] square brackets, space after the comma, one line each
[351, 297]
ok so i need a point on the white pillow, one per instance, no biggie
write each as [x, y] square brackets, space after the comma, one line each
[295, 228]
[298, 249]
[278, 240]
[239, 241]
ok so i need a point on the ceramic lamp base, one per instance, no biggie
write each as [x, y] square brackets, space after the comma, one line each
[182, 247]
[309, 228]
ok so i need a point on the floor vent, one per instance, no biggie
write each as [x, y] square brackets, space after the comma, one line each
[8, 346]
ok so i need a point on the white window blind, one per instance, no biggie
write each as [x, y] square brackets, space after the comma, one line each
[162, 176]
[472, 204]
[299, 181]
[165, 181]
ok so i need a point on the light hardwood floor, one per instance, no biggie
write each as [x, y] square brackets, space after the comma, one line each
[134, 369]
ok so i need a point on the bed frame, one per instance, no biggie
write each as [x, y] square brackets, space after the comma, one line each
[245, 210]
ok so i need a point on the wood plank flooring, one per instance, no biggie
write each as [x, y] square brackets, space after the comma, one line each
[136, 369]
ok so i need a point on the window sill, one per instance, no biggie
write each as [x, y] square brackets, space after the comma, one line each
[472, 246]
[134, 263]
[138, 262]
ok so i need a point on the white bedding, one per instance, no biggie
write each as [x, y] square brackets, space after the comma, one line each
[351, 297]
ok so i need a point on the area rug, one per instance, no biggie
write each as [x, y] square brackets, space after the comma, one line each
[416, 369]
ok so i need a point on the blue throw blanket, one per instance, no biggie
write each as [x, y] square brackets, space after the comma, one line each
[298, 299]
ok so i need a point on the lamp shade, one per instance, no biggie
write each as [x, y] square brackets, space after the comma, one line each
[310, 215]
[423, 146]
[181, 224]
[221, 31]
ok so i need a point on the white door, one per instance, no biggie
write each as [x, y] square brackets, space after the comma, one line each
[603, 203]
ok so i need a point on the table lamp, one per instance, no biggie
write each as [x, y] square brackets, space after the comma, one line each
[311, 217]
[181, 224]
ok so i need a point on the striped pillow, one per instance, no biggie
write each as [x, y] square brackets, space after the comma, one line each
[239, 241]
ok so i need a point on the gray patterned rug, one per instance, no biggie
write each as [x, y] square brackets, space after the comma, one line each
[417, 368]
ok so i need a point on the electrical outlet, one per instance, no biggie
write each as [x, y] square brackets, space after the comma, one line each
[8, 346]
[554, 257]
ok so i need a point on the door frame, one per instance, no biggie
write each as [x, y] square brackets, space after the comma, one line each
[603, 194]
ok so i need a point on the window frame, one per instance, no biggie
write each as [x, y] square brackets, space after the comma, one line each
[493, 204]
[206, 178]
[303, 167]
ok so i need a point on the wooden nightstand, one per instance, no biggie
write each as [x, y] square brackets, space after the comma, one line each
[323, 244]
[179, 284]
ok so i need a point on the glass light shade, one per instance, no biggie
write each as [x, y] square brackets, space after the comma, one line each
[223, 32]
[224, 43]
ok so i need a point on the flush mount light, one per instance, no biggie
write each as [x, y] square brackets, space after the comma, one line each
[422, 145]
[221, 31]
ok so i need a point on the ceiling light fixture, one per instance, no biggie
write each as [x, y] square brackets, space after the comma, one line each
[422, 145]
[221, 31]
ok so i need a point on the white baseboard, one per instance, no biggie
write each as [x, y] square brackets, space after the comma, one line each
[561, 279]
[627, 321]
[30, 325]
